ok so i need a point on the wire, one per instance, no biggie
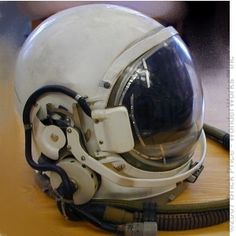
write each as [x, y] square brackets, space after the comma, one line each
[69, 188]
[74, 212]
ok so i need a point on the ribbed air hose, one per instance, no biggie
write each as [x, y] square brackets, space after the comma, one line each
[217, 135]
[187, 221]
[169, 217]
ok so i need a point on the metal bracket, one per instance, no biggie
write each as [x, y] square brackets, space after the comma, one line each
[193, 178]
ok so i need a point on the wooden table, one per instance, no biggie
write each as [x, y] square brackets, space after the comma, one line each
[25, 210]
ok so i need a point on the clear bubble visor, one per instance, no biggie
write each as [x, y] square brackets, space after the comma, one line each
[164, 100]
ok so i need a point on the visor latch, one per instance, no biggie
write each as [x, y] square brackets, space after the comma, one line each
[193, 178]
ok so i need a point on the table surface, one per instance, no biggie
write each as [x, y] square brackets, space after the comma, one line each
[25, 210]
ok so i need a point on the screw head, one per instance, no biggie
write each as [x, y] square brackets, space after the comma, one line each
[106, 85]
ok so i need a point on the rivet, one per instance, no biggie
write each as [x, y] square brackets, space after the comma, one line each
[83, 158]
[106, 85]
[69, 130]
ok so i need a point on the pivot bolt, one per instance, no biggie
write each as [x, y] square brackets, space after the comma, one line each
[106, 85]
[54, 137]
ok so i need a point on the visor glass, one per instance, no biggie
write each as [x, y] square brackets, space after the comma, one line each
[165, 104]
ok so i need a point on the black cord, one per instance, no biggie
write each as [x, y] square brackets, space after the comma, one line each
[69, 188]
[217, 135]
[53, 89]
[75, 213]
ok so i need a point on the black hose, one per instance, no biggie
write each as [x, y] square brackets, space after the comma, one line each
[67, 184]
[165, 221]
[74, 213]
[53, 89]
[90, 218]
[217, 135]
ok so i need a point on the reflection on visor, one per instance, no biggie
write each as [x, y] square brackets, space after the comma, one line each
[164, 103]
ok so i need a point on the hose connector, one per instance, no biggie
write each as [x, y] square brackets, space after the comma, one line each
[140, 229]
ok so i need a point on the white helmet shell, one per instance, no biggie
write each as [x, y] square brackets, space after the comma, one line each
[77, 46]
